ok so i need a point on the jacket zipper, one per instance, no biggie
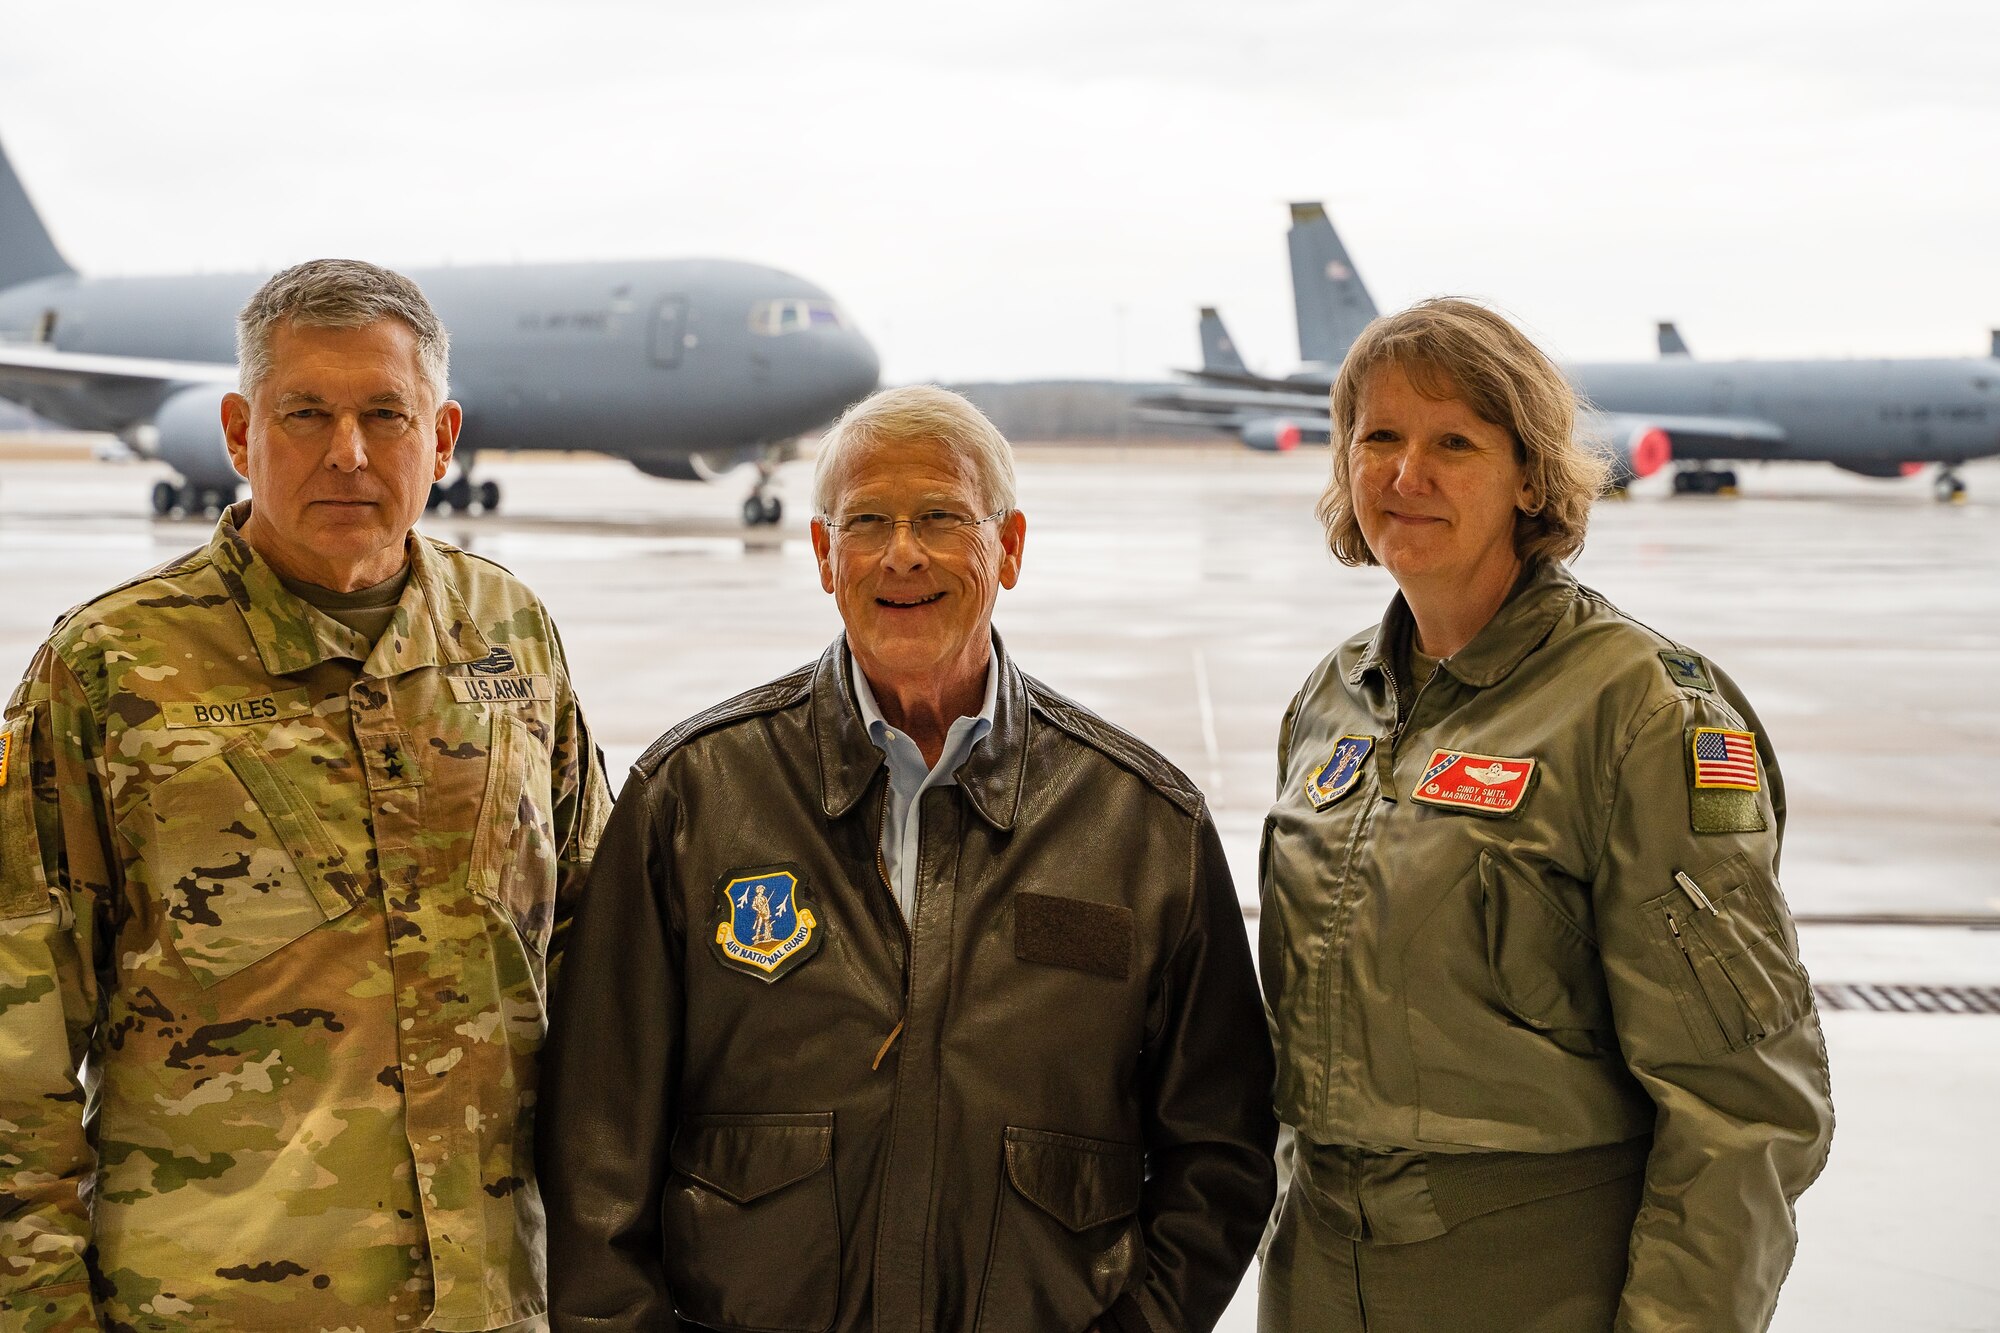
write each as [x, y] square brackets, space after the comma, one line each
[882, 869]
[1694, 976]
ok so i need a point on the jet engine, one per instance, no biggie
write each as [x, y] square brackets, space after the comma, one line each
[1271, 435]
[1640, 453]
[187, 437]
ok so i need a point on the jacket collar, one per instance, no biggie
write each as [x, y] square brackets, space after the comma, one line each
[431, 625]
[991, 776]
[1540, 597]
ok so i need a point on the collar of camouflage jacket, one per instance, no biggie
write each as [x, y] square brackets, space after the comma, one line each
[431, 626]
[991, 775]
[1540, 597]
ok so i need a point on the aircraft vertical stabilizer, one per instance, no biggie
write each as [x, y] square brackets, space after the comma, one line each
[1671, 342]
[1218, 349]
[26, 250]
[1995, 347]
[1333, 305]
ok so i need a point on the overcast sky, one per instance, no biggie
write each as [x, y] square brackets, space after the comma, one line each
[1051, 187]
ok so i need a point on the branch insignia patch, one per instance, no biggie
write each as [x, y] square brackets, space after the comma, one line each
[1342, 769]
[765, 927]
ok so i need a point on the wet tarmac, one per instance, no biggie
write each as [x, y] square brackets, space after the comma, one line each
[1183, 592]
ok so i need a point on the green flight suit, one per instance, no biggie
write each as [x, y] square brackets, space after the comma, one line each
[1539, 915]
[292, 899]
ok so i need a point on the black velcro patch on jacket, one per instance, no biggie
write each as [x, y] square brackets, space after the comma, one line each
[1068, 932]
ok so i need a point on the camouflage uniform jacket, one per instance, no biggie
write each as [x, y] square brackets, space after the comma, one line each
[276, 929]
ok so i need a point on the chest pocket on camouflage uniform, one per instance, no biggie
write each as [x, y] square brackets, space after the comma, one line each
[238, 860]
[514, 849]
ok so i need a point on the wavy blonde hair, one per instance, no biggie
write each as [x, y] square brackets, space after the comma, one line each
[1454, 348]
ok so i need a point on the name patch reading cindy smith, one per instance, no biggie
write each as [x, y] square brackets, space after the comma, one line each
[1488, 783]
[236, 712]
[502, 689]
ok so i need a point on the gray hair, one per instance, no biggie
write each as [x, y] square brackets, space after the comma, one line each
[340, 294]
[917, 412]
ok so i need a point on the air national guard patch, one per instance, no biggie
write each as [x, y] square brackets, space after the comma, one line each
[765, 927]
[1723, 781]
[1342, 769]
[1482, 782]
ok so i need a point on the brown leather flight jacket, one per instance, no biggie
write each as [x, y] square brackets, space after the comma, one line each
[1040, 1106]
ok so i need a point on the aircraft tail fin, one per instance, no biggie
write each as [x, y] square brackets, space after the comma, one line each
[1333, 304]
[26, 250]
[1218, 349]
[1995, 347]
[1671, 342]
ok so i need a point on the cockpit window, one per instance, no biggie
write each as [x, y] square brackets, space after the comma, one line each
[793, 315]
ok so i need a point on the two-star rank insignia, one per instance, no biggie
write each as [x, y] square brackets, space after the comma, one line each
[764, 926]
[1341, 771]
[1462, 780]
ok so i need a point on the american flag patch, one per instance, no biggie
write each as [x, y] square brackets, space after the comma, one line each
[1725, 758]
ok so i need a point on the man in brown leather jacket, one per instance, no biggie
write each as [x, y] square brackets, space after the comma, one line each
[908, 995]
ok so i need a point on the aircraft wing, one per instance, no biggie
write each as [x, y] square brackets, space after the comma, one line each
[88, 391]
[1695, 437]
[1200, 398]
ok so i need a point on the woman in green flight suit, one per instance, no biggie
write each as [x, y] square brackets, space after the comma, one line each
[1547, 1058]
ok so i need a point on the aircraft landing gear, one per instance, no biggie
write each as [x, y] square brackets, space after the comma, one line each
[461, 493]
[1704, 481]
[170, 498]
[1949, 488]
[762, 507]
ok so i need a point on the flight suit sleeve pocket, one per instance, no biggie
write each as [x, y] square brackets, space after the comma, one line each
[1543, 964]
[746, 1188]
[1065, 1241]
[240, 865]
[1729, 958]
[24, 889]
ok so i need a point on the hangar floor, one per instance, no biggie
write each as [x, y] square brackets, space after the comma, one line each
[1183, 592]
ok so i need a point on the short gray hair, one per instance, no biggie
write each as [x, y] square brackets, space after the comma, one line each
[340, 294]
[917, 412]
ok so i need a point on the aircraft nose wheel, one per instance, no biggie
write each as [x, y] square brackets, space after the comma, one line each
[1949, 489]
[762, 509]
[166, 495]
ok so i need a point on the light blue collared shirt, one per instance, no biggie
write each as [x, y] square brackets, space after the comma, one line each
[909, 779]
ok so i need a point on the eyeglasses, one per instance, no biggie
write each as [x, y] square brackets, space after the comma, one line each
[874, 531]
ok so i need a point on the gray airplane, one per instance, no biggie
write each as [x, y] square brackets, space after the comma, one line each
[684, 368]
[1878, 418]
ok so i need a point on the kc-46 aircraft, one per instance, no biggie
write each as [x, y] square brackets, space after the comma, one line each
[1879, 418]
[684, 368]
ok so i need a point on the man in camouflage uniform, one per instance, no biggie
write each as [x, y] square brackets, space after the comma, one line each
[291, 829]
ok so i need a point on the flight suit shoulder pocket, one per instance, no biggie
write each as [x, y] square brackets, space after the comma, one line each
[1729, 955]
[24, 888]
[238, 861]
[744, 1188]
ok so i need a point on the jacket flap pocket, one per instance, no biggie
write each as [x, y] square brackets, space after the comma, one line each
[1543, 963]
[745, 1157]
[1082, 1183]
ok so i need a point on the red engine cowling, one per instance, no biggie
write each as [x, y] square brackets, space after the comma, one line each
[1272, 435]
